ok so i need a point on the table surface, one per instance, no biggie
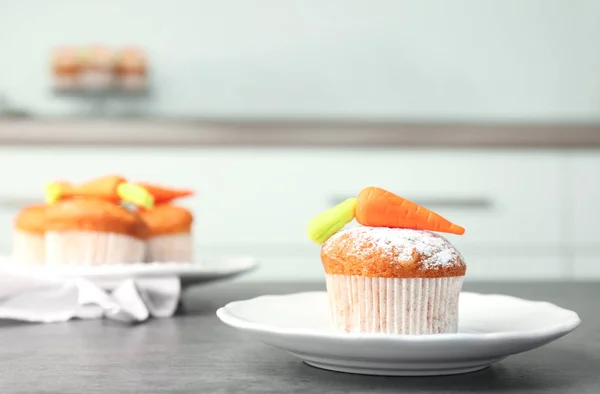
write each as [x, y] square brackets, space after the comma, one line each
[195, 353]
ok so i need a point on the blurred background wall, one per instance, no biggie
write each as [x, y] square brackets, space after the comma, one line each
[432, 59]
[527, 196]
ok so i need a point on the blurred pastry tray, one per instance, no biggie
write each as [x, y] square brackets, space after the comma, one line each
[107, 276]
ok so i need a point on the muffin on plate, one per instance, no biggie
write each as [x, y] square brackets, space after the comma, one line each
[88, 231]
[392, 274]
[170, 234]
[28, 235]
[392, 280]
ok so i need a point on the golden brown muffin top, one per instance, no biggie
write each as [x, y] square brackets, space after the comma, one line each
[32, 219]
[381, 252]
[86, 214]
[166, 219]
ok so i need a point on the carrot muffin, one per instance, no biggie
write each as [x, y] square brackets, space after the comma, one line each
[392, 274]
[393, 280]
[28, 235]
[170, 229]
[93, 232]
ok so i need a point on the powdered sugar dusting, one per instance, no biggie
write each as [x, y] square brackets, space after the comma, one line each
[399, 245]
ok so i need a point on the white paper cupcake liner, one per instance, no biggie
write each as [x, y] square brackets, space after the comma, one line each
[28, 247]
[92, 248]
[412, 306]
[172, 247]
[132, 82]
[96, 79]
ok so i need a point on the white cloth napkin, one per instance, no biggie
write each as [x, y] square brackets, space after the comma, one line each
[31, 296]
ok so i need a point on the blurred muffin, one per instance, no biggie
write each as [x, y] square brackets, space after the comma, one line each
[28, 235]
[93, 232]
[66, 67]
[170, 239]
[132, 68]
[98, 67]
[392, 280]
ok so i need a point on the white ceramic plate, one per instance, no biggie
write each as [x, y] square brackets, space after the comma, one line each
[491, 327]
[108, 276]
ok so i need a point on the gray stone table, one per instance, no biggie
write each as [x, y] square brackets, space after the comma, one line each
[195, 353]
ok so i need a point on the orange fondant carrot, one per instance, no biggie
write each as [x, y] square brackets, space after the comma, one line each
[379, 208]
[104, 188]
[163, 194]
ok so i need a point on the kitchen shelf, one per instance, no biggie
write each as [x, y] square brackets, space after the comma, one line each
[109, 93]
[326, 134]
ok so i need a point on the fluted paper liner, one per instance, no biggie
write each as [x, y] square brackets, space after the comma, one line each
[92, 248]
[28, 247]
[394, 305]
[172, 247]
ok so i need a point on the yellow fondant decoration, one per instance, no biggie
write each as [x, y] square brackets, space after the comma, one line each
[52, 192]
[324, 225]
[135, 194]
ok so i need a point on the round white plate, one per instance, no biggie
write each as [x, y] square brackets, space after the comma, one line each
[491, 327]
[108, 276]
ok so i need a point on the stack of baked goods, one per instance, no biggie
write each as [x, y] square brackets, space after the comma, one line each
[107, 220]
[393, 274]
